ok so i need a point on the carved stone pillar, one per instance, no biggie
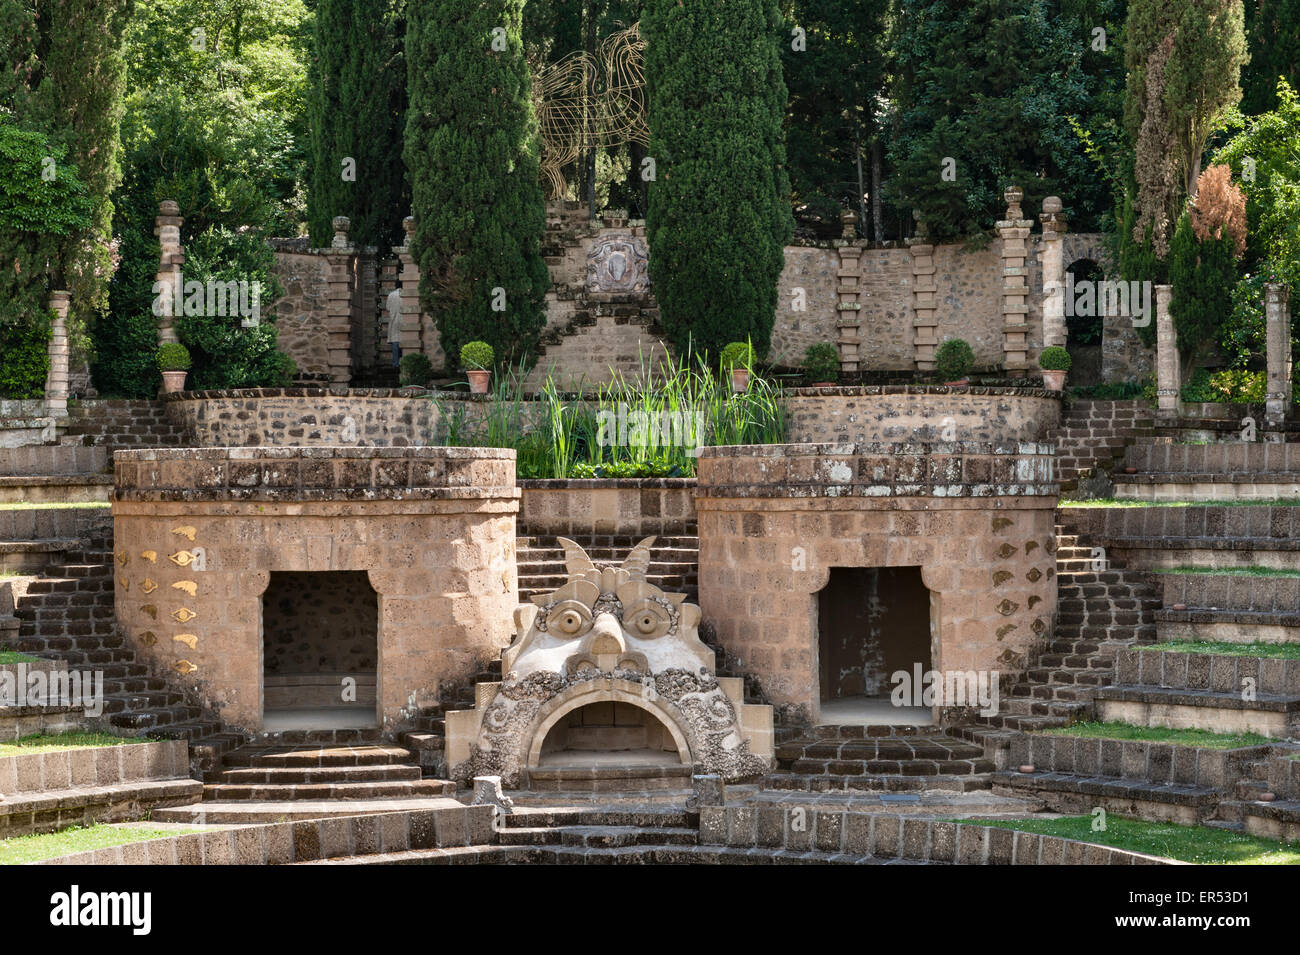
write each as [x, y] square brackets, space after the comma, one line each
[1014, 230]
[412, 318]
[171, 259]
[1277, 324]
[849, 307]
[1054, 229]
[56, 379]
[925, 302]
[1167, 368]
[341, 259]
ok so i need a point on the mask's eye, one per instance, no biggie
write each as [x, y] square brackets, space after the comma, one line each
[647, 619]
[569, 618]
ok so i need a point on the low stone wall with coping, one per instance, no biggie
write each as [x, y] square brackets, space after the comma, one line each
[888, 836]
[853, 415]
[633, 507]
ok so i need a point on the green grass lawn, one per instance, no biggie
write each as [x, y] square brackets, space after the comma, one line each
[1123, 502]
[57, 741]
[49, 845]
[21, 506]
[1199, 844]
[1274, 651]
[1229, 571]
[13, 656]
[1159, 734]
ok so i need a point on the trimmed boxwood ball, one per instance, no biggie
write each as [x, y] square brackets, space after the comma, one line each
[173, 356]
[1055, 358]
[737, 355]
[416, 369]
[476, 356]
[953, 360]
[821, 362]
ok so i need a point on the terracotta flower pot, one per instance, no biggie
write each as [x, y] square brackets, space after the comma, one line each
[822, 384]
[739, 380]
[173, 381]
[959, 383]
[478, 381]
[1054, 380]
[1027, 768]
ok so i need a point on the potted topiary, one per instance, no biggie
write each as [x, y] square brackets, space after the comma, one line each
[821, 364]
[174, 363]
[476, 358]
[738, 357]
[953, 361]
[1055, 362]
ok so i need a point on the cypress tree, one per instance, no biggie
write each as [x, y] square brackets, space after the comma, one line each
[473, 157]
[719, 215]
[357, 111]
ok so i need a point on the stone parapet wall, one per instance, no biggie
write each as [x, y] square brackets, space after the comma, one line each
[879, 470]
[315, 474]
[976, 519]
[306, 417]
[638, 507]
[302, 313]
[198, 533]
[920, 413]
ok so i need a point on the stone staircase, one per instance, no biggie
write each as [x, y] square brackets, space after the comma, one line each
[54, 474]
[1095, 435]
[1099, 612]
[895, 759]
[122, 424]
[674, 568]
[601, 341]
[66, 614]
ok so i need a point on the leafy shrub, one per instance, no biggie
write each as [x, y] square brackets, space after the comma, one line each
[416, 369]
[738, 355]
[24, 360]
[821, 362]
[477, 356]
[953, 360]
[1197, 388]
[173, 356]
[1237, 386]
[1055, 358]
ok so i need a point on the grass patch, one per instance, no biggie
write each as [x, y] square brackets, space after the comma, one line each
[1273, 651]
[1229, 571]
[1159, 734]
[51, 742]
[1121, 502]
[1199, 844]
[49, 506]
[50, 845]
[13, 656]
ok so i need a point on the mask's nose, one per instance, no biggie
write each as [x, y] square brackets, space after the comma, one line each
[605, 636]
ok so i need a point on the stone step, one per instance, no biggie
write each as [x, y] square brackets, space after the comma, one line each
[317, 775]
[795, 782]
[25, 813]
[307, 757]
[257, 792]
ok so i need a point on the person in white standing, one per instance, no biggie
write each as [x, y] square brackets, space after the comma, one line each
[394, 306]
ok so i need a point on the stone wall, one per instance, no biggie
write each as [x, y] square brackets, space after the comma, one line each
[302, 314]
[638, 507]
[976, 518]
[305, 417]
[319, 623]
[920, 413]
[198, 532]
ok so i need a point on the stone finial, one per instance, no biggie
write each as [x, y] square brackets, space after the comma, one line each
[409, 225]
[341, 226]
[1013, 195]
[1053, 218]
[849, 224]
[169, 207]
[921, 231]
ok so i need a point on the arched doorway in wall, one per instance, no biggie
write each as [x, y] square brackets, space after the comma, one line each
[320, 650]
[872, 622]
[1084, 332]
